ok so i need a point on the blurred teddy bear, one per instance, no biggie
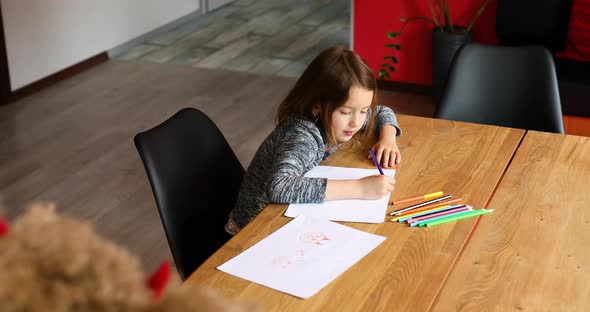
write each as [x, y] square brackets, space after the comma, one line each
[50, 262]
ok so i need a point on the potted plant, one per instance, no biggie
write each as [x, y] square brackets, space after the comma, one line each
[447, 39]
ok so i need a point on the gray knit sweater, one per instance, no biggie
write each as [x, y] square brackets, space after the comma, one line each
[276, 171]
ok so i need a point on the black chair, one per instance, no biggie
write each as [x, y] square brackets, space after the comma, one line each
[533, 22]
[547, 25]
[504, 86]
[195, 177]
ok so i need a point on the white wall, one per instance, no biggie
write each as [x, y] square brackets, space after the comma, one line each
[46, 36]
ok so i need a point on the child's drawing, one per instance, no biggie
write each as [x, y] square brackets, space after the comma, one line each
[282, 262]
[317, 238]
[303, 256]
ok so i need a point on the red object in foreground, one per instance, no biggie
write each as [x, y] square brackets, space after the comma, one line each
[157, 282]
[3, 227]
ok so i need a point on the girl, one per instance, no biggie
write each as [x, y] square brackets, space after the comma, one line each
[331, 103]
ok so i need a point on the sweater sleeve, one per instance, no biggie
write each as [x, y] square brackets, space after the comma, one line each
[287, 184]
[384, 116]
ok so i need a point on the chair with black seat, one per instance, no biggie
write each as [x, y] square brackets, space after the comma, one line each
[504, 86]
[195, 177]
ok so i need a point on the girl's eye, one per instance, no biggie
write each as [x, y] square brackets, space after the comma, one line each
[344, 113]
[364, 112]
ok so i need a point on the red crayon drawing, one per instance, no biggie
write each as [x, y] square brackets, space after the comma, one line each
[317, 238]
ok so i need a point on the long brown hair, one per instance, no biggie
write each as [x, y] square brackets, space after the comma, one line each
[325, 85]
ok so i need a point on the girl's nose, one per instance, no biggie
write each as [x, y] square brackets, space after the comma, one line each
[356, 120]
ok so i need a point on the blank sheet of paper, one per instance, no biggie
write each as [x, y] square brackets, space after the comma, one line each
[351, 210]
[303, 256]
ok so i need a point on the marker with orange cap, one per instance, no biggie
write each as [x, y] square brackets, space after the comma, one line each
[427, 196]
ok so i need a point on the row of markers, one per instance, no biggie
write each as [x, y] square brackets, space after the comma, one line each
[438, 210]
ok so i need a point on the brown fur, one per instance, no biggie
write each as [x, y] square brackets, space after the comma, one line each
[50, 262]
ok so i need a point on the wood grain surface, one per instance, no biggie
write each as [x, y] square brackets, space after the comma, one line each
[407, 270]
[531, 253]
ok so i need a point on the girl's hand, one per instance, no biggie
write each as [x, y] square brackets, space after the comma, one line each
[376, 186]
[387, 152]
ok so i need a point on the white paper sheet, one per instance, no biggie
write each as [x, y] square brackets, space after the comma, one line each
[352, 210]
[303, 256]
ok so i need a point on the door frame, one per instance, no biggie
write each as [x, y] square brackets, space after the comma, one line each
[5, 88]
[205, 6]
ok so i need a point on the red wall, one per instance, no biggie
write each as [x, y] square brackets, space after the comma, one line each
[374, 18]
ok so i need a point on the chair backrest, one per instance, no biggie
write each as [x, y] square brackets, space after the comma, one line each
[533, 22]
[504, 86]
[195, 177]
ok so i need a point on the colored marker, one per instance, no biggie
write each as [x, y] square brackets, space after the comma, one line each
[427, 196]
[428, 213]
[375, 161]
[436, 200]
[431, 206]
[402, 218]
[459, 217]
[437, 214]
[440, 215]
[423, 222]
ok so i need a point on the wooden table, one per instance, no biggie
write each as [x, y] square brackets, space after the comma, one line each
[533, 252]
[408, 269]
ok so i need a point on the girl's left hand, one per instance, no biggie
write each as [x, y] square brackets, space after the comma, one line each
[387, 152]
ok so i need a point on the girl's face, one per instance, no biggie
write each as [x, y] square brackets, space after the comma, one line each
[349, 118]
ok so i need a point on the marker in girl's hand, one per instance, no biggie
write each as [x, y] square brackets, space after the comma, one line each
[375, 161]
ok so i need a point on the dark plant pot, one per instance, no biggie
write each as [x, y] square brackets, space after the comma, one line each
[444, 47]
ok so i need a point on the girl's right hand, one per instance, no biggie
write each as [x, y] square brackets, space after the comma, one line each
[376, 186]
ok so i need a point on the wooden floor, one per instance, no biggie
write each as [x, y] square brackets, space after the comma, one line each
[72, 143]
[255, 36]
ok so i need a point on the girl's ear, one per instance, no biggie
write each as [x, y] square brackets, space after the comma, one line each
[316, 109]
[315, 112]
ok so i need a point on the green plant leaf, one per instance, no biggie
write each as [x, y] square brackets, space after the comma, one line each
[392, 34]
[402, 19]
[413, 18]
[447, 15]
[481, 9]
[434, 17]
[390, 57]
[393, 45]
[391, 68]
[383, 74]
[384, 65]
